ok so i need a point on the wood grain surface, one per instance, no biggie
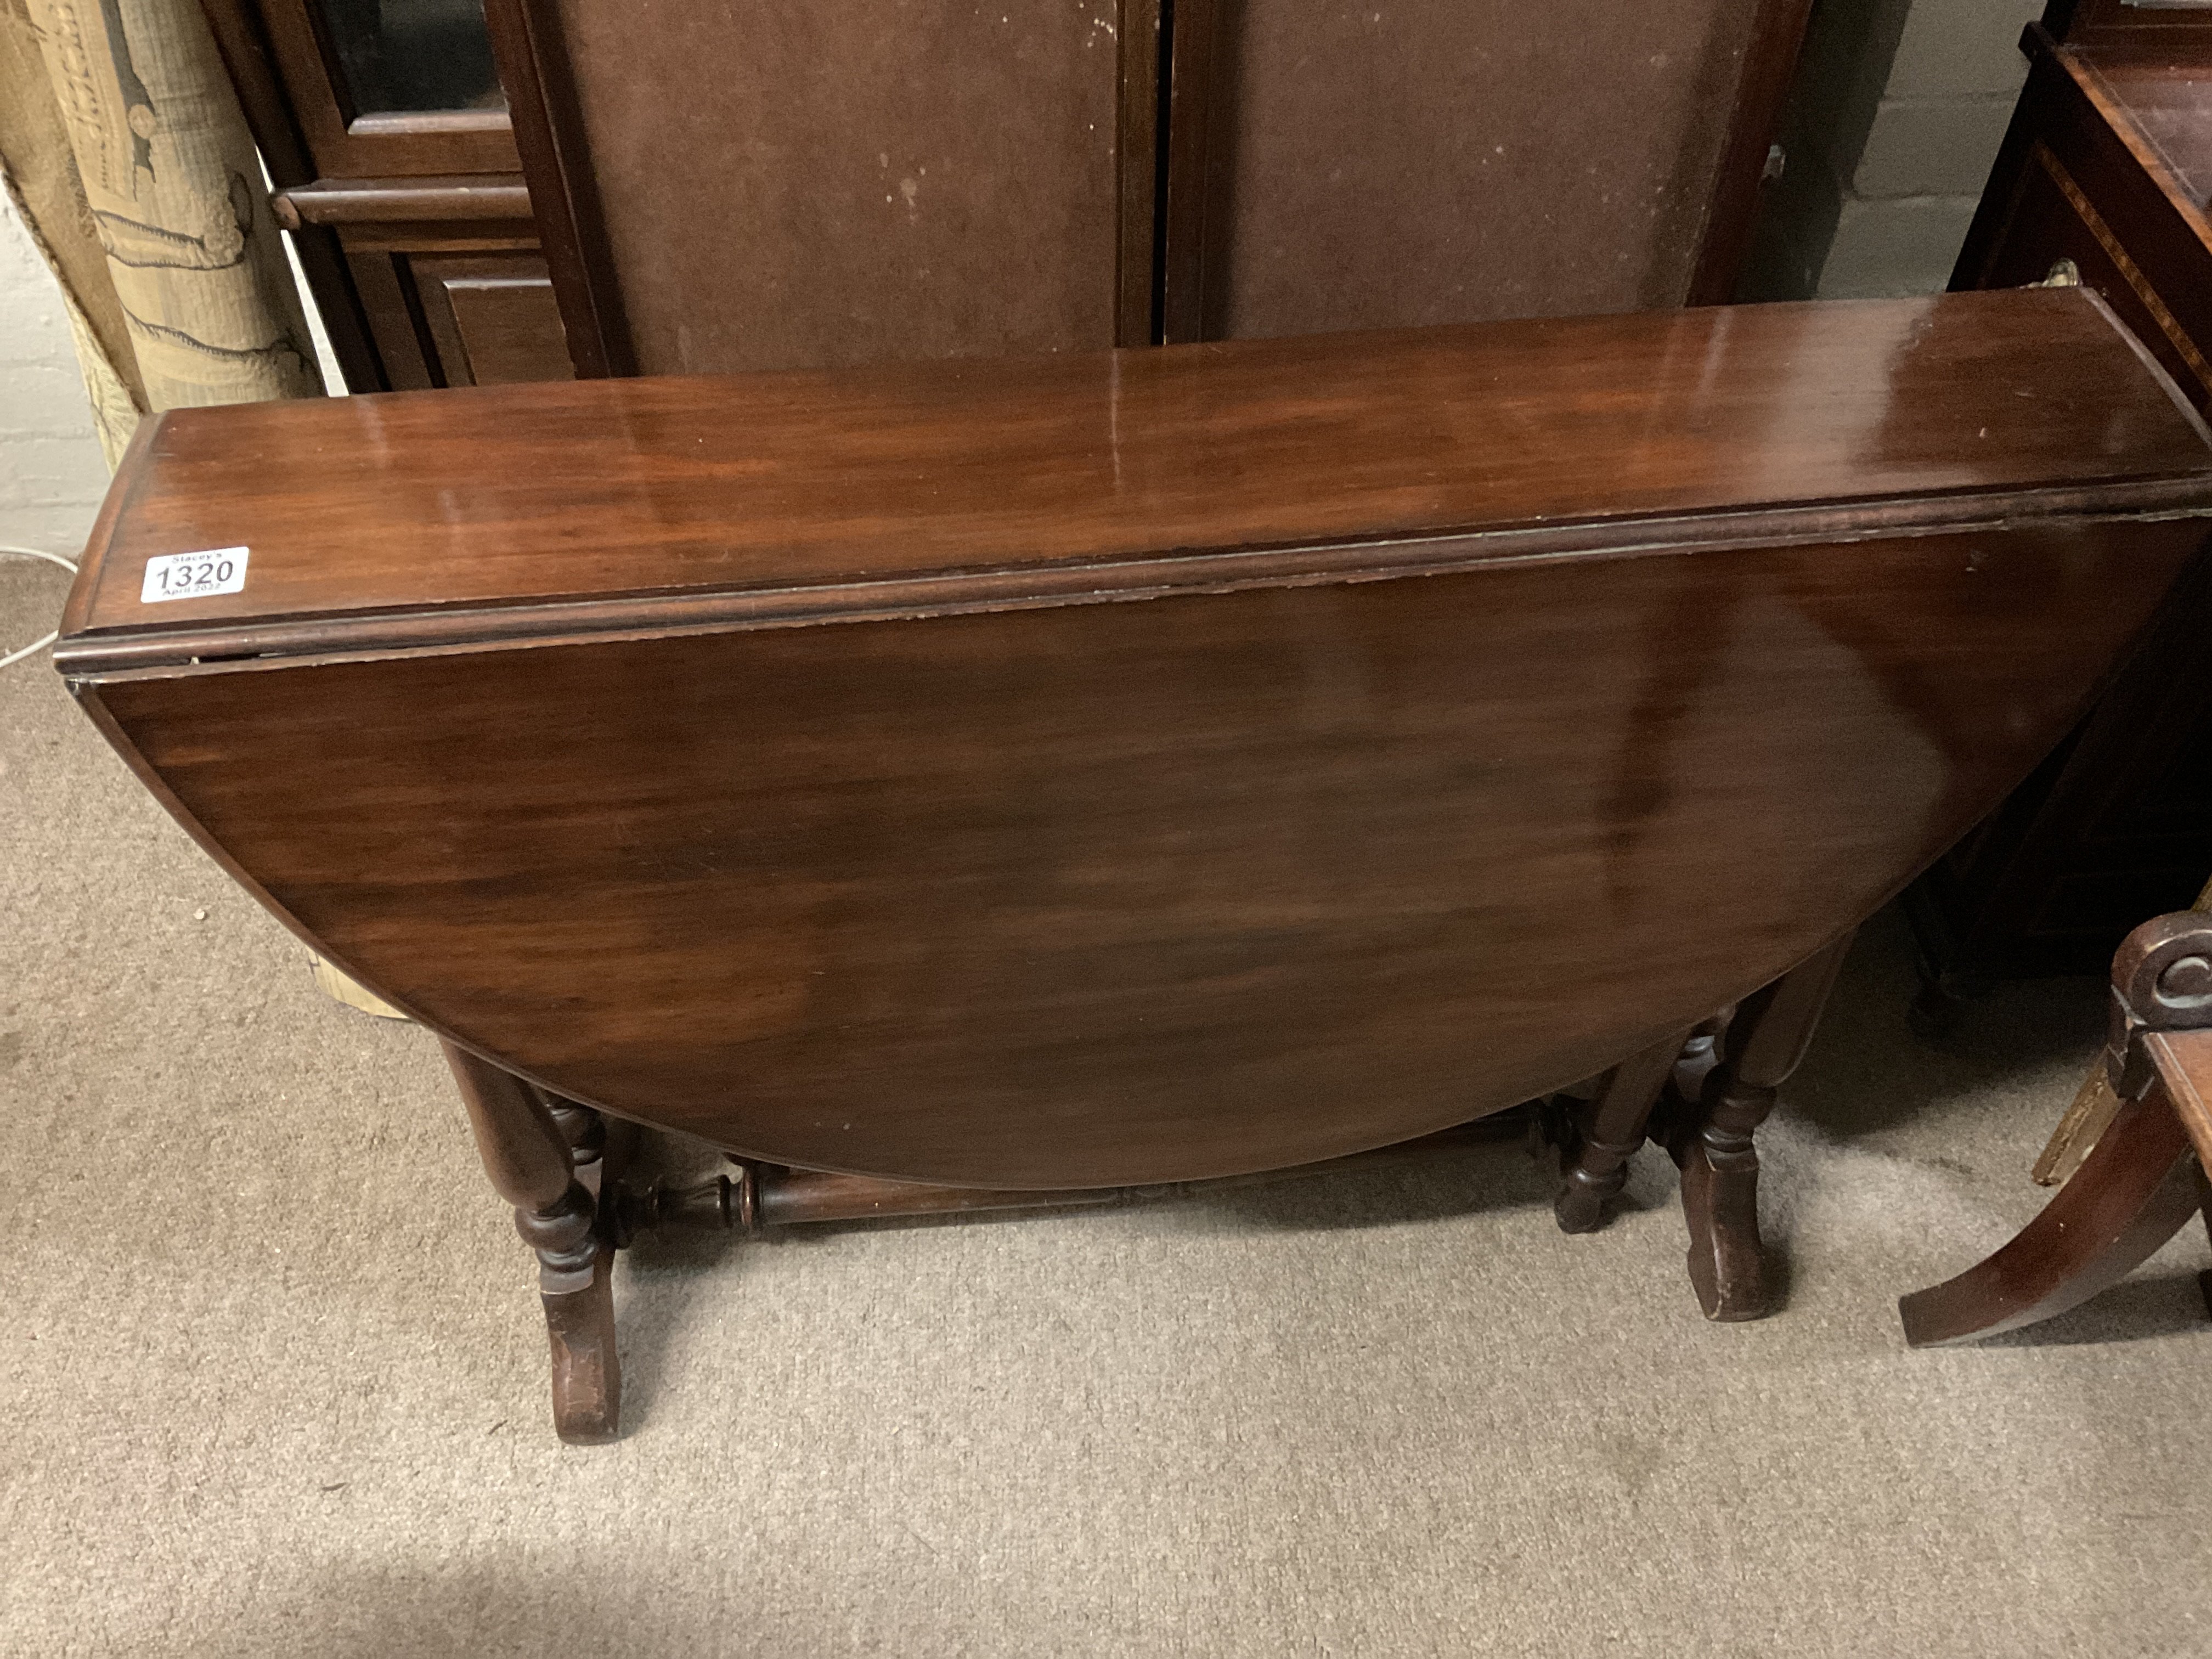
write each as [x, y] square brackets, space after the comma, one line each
[1051, 893]
[1575, 434]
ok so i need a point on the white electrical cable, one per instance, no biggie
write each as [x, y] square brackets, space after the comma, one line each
[35, 646]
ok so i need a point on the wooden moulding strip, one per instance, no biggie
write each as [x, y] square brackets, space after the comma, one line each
[376, 200]
[341, 636]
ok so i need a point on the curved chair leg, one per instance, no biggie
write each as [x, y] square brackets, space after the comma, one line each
[2204, 1203]
[2135, 1191]
[1611, 1128]
[529, 1155]
[2144, 1176]
[1769, 1034]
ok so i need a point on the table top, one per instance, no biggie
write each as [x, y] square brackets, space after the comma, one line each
[897, 488]
[1019, 889]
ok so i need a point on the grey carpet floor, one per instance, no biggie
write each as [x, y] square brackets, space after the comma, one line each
[275, 1378]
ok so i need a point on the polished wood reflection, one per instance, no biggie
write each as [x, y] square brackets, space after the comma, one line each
[498, 496]
[1732, 626]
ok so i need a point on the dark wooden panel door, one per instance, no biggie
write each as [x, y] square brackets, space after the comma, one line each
[1344, 164]
[481, 315]
[375, 91]
[494, 318]
[751, 188]
[754, 186]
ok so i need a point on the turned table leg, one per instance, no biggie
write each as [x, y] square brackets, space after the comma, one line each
[528, 1154]
[1767, 1036]
[1608, 1130]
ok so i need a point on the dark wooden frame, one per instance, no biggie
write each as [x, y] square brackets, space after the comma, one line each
[1770, 60]
[249, 58]
[549, 135]
[381, 144]
[364, 195]
[1139, 243]
[1186, 182]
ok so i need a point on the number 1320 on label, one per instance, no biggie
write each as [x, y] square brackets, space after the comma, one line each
[193, 575]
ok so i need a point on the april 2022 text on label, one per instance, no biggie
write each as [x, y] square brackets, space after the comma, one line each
[193, 575]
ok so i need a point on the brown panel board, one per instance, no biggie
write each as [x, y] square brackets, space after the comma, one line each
[1456, 161]
[765, 187]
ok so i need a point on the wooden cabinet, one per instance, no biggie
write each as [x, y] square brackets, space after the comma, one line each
[2103, 179]
[771, 185]
[754, 186]
[386, 134]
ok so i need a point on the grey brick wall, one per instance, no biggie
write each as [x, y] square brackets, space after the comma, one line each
[1896, 115]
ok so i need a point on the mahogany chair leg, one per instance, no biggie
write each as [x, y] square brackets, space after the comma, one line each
[1766, 1038]
[2204, 1204]
[527, 1152]
[1608, 1131]
[2144, 1176]
[2136, 1189]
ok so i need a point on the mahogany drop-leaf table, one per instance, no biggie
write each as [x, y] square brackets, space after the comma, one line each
[1042, 777]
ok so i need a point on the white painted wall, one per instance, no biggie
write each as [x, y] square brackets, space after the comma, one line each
[51, 475]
